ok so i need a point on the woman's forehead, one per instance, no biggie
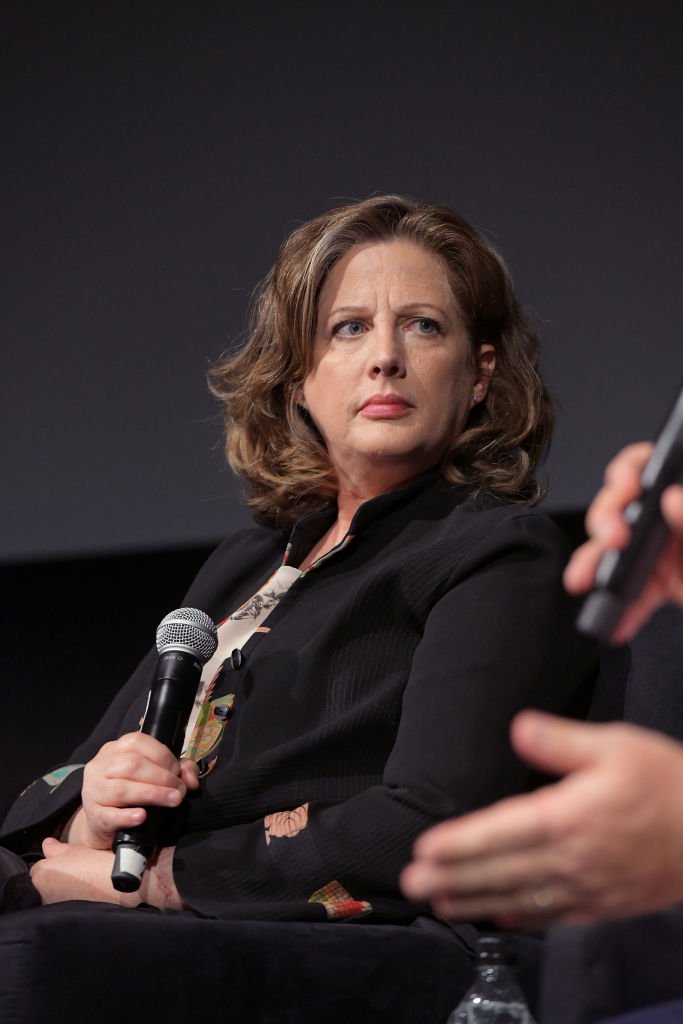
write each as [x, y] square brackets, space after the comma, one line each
[403, 269]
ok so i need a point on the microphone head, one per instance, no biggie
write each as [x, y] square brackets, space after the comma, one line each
[188, 629]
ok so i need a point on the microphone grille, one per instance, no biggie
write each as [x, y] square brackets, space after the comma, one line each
[188, 629]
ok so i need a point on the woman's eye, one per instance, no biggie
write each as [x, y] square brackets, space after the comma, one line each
[425, 325]
[349, 329]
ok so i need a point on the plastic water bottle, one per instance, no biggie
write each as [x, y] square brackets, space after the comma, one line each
[494, 996]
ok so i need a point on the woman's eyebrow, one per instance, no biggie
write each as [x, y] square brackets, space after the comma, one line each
[408, 307]
[347, 310]
[418, 305]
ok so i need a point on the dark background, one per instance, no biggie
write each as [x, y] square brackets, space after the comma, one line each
[155, 154]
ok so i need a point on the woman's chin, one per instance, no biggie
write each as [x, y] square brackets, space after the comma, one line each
[388, 464]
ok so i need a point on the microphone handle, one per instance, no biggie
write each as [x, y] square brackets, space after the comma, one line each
[168, 710]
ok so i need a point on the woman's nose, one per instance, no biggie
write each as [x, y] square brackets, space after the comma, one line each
[387, 355]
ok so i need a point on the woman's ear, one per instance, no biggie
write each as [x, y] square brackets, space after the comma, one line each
[486, 364]
[299, 397]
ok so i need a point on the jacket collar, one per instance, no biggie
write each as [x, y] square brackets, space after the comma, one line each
[308, 530]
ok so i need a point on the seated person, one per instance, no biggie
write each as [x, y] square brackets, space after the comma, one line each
[397, 603]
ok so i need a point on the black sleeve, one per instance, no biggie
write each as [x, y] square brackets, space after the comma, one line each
[496, 641]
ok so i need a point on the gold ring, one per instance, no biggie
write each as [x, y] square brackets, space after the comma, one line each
[543, 898]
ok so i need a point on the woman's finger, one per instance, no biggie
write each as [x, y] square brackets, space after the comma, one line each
[189, 773]
[147, 747]
[110, 819]
[129, 793]
[105, 778]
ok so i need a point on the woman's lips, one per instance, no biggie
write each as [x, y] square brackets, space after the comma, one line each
[385, 407]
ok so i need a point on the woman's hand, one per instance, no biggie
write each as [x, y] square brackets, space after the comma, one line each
[607, 529]
[74, 873]
[77, 873]
[124, 777]
[606, 841]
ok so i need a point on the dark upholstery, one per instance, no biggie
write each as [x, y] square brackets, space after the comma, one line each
[67, 962]
[595, 972]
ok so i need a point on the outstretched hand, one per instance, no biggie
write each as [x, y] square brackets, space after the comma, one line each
[605, 841]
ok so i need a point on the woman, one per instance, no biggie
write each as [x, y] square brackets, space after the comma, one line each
[399, 602]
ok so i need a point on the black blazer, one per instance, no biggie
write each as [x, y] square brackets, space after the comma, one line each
[376, 703]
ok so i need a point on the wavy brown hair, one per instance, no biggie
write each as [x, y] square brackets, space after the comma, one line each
[274, 446]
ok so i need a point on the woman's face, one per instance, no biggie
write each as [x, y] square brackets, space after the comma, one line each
[392, 381]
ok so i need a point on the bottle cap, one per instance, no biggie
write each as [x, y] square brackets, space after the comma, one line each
[496, 949]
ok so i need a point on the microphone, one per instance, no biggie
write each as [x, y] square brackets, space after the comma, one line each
[186, 639]
[621, 575]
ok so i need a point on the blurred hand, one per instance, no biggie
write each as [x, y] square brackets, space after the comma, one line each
[607, 529]
[605, 841]
[123, 778]
[77, 873]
